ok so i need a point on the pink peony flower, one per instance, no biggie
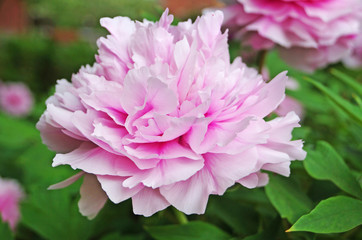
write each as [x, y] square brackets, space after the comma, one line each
[164, 118]
[10, 195]
[308, 33]
[15, 99]
[354, 59]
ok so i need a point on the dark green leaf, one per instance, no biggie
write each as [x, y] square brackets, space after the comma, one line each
[270, 231]
[333, 215]
[117, 236]
[191, 231]
[287, 198]
[242, 218]
[325, 164]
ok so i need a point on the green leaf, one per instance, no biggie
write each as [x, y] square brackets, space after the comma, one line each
[16, 133]
[325, 164]
[348, 80]
[333, 215]
[39, 158]
[117, 236]
[242, 218]
[270, 231]
[287, 198]
[54, 215]
[195, 230]
[5, 232]
[353, 111]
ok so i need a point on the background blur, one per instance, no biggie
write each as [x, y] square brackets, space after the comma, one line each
[45, 40]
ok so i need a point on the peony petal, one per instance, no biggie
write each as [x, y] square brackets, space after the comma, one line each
[253, 180]
[67, 182]
[93, 159]
[190, 196]
[92, 197]
[54, 138]
[113, 186]
[148, 201]
[166, 172]
[274, 92]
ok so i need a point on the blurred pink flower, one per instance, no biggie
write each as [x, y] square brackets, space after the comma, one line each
[165, 119]
[354, 59]
[309, 34]
[15, 99]
[289, 104]
[10, 195]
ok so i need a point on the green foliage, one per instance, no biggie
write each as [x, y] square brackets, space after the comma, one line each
[325, 164]
[333, 215]
[195, 230]
[236, 214]
[38, 61]
[348, 80]
[287, 198]
[353, 111]
[5, 231]
[53, 216]
[89, 12]
[12, 128]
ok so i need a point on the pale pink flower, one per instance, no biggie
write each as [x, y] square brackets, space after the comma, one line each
[164, 118]
[15, 99]
[10, 195]
[308, 33]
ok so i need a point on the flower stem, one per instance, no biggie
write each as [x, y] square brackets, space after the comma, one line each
[181, 217]
[261, 60]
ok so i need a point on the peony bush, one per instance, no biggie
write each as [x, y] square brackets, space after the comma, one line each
[164, 118]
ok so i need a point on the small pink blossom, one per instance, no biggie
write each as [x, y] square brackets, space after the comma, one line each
[15, 99]
[164, 118]
[10, 195]
[309, 34]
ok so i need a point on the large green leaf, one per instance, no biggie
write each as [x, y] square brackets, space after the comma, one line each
[195, 230]
[348, 80]
[353, 111]
[39, 159]
[333, 215]
[54, 215]
[287, 198]
[325, 164]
